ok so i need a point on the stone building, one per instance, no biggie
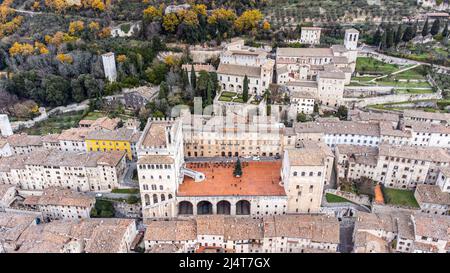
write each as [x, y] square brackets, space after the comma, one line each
[96, 171]
[305, 172]
[58, 203]
[271, 234]
[109, 66]
[310, 35]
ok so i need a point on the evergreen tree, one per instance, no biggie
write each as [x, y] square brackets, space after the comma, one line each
[398, 35]
[163, 91]
[389, 37]
[342, 112]
[209, 91]
[425, 29]
[237, 168]
[383, 40]
[435, 27]
[408, 34]
[414, 29]
[377, 37]
[445, 30]
[245, 89]
[184, 78]
[193, 78]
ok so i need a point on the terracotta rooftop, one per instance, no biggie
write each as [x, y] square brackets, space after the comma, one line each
[431, 194]
[22, 140]
[433, 154]
[4, 188]
[61, 197]
[171, 231]
[239, 70]
[155, 136]
[122, 134]
[259, 178]
[101, 123]
[304, 52]
[433, 226]
[74, 134]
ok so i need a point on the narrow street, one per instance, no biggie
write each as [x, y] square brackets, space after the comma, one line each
[346, 228]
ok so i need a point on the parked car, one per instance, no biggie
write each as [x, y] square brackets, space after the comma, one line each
[256, 158]
[98, 195]
[277, 157]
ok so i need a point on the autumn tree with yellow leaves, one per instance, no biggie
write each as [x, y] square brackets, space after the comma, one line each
[23, 49]
[58, 5]
[94, 26]
[41, 48]
[170, 22]
[121, 58]
[105, 32]
[248, 20]
[153, 14]
[64, 58]
[76, 26]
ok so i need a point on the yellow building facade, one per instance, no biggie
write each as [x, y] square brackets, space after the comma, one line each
[117, 140]
[104, 145]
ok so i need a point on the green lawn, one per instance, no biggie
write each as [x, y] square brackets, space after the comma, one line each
[103, 209]
[222, 98]
[391, 82]
[130, 191]
[400, 197]
[363, 79]
[94, 115]
[331, 198]
[228, 94]
[413, 91]
[371, 65]
[55, 124]
[416, 73]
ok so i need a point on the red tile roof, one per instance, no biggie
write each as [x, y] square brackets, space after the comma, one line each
[259, 178]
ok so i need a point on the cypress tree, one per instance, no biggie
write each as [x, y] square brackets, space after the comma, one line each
[237, 168]
[377, 37]
[414, 29]
[389, 37]
[245, 89]
[408, 34]
[184, 78]
[445, 30]
[209, 91]
[193, 78]
[163, 90]
[425, 29]
[435, 27]
[398, 35]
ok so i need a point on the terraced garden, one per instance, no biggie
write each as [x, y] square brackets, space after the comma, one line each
[227, 96]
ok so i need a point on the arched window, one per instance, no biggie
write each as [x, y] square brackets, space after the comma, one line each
[161, 187]
[185, 207]
[243, 207]
[319, 174]
[147, 200]
[155, 198]
[224, 207]
[170, 196]
[295, 173]
[154, 187]
[204, 207]
[163, 197]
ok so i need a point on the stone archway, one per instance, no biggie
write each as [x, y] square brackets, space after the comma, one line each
[224, 207]
[204, 207]
[243, 207]
[186, 208]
